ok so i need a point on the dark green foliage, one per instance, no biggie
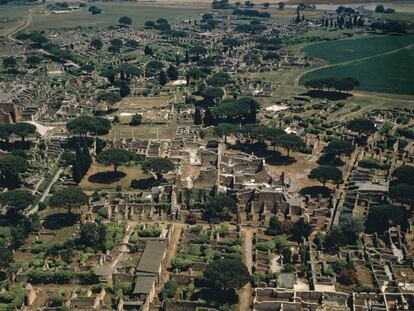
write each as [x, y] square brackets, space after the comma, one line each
[68, 198]
[289, 142]
[168, 290]
[109, 97]
[94, 10]
[226, 274]
[339, 147]
[96, 43]
[125, 20]
[274, 227]
[17, 201]
[136, 120]
[301, 230]
[23, 129]
[361, 125]
[10, 168]
[162, 79]
[325, 173]
[382, 217]
[85, 125]
[197, 117]
[153, 67]
[114, 157]
[172, 73]
[159, 166]
[219, 207]
[345, 233]
[404, 175]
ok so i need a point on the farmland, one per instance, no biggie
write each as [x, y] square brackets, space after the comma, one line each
[360, 58]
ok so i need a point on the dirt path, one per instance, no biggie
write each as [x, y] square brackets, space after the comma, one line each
[245, 293]
[172, 251]
[351, 61]
[20, 28]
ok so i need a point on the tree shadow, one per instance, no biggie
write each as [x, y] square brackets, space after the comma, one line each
[106, 177]
[276, 158]
[216, 296]
[314, 191]
[60, 220]
[330, 95]
[329, 159]
[17, 145]
[145, 183]
[272, 157]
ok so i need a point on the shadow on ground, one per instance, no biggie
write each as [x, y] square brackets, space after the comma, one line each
[106, 177]
[272, 157]
[60, 220]
[314, 191]
[330, 95]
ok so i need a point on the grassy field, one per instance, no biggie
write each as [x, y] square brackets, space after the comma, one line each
[11, 17]
[389, 73]
[382, 64]
[111, 12]
[346, 50]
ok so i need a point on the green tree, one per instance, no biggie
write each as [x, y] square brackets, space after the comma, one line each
[109, 97]
[17, 202]
[158, 166]
[197, 117]
[301, 230]
[274, 226]
[381, 217]
[96, 44]
[325, 173]
[68, 198]
[339, 147]
[225, 129]
[33, 60]
[153, 67]
[404, 175]
[219, 207]
[10, 168]
[125, 20]
[148, 50]
[289, 142]
[9, 62]
[23, 129]
[361, 125]
[136, 120]
[115, 157]
[162, 79]
[226, 274]
[172, 73]
[85, 125]
[169, 290]
[210, 94]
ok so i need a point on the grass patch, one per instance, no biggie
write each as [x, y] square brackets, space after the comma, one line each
[111, 12]
[339, 51]
[383, 74]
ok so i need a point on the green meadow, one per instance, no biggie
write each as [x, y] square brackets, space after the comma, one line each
[383, 64]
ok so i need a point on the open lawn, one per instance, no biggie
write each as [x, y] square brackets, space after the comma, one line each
[352, 49]
[382, 64]
[111, 12]
[12, 17]
[388, 73]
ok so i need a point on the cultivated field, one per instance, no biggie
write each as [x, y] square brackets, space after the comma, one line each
[111, 12]
[381, 64]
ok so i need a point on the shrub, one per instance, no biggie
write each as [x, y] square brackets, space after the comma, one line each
[169, 290]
